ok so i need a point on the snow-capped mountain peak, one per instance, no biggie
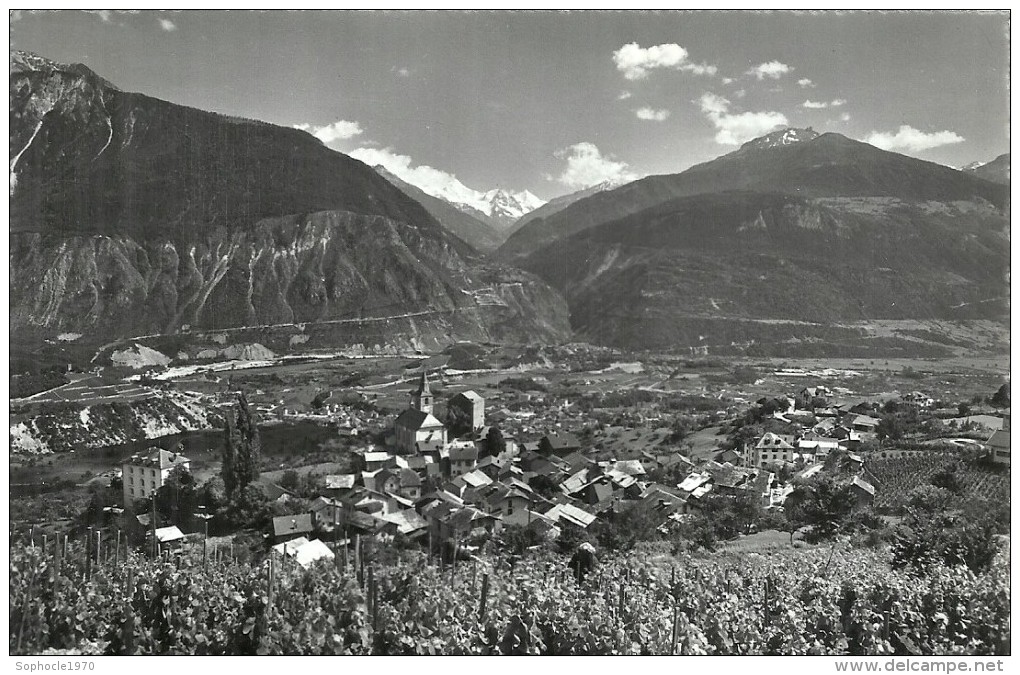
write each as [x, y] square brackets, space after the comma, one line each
[501, 203]
[781, 137]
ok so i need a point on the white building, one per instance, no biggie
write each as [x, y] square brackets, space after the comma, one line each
[144, 474]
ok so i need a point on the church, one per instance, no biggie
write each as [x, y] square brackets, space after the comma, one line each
[416, 429]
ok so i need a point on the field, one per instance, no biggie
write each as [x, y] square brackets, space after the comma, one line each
[812, 601]
[897, 477]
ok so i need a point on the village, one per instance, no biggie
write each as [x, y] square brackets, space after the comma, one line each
[457, 485]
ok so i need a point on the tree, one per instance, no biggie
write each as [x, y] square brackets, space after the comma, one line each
[458, 421]
[889, 429]
[290, 480]
[964, 409]
[1001, 397]
[242, 450]
[177, 499]
[495, 444]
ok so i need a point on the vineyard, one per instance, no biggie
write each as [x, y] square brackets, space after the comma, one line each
[815, 601]
[896, 478]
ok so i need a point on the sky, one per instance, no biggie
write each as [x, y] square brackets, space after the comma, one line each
[460, 102]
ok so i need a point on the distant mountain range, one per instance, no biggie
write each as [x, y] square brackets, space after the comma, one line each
[476, 230]
[131, 215]
[996, 170]
[791, 232]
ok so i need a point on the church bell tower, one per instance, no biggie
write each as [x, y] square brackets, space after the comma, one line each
[421, 398]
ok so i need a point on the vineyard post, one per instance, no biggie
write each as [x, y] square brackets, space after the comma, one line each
[269, 603]
[347, 542]
[128, 636]
[65, 547]
[373, 597]
[676, 627]
[57, 562]
[619, 613]
[205, 544]
[336, 536]
[155, 543]
[231, 551]
[116, 551]
[88, 555]
[99, 548]
[45, 545]
[31, 536]
[765, 605]
[485, 592]
[25, 608]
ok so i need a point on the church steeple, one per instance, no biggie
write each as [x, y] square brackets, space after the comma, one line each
[421, 398]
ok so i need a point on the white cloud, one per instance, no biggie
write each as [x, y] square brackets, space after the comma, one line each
[737, 128]
[805, 83]
[635, 62]
[651, 114]
[433, 181]
[699, 68]
[167, 25]
[624, 95]
[740, 93]
[909, 138]
[818, 105]
[587, 166]
[771, 69]
[402, 71]
[845, 117]
[727, 80]
[337, 131]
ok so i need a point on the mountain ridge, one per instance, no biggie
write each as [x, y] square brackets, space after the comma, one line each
[131, 215]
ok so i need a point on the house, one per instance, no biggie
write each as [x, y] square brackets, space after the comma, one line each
[772, 448]
[338, 485]
[306, 553]
[559, 444]
[169, 536]
[470, 406]
[408, 523]
[504, 500]
[416, 430]
[143, 475]
[285, 528]
[817, 446]
[998, 444]
[378, 460]
[568, 514]
[862, 423]
[273, 492]
[917, 399]
[863, 492]
[539, 523]
[409, 484]
[806, 396]
[463, 457]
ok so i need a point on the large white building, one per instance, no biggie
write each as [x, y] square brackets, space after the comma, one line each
[144, 474]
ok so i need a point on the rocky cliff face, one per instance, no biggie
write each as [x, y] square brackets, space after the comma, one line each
[132, 216]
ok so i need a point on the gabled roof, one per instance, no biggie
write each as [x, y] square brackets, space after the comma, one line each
[571, 514]
[272, 490]
[166, 535]
[377, 456]
[476, 479]
[773, 441]
[999, 439]
[416, 419]
[469, 395]
[344, 481]
[407, 521]
[864, 485]
[158, 459]
[865, 420]
[298, 524]
[463, 454]
[409, 478]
